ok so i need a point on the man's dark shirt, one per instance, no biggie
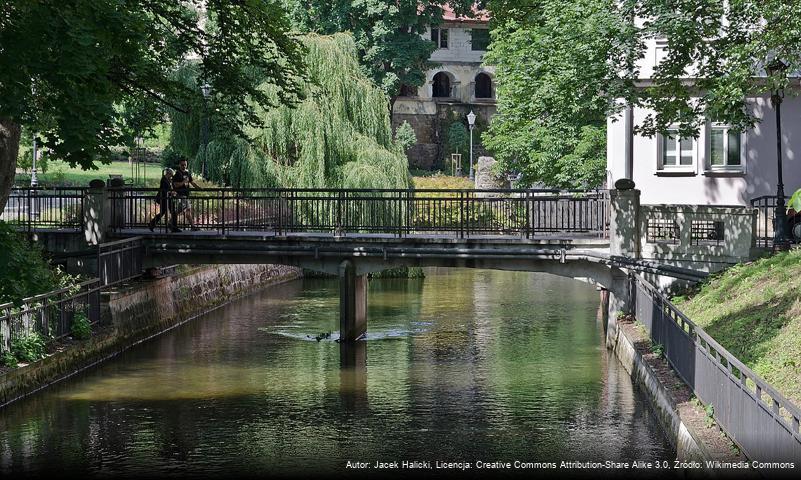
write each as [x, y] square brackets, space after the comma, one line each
[179, 177]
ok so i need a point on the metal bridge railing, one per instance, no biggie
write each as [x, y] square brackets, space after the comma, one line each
[120, 260]
[751, 412]
[399, 212]
[766, 216]
[45, 208]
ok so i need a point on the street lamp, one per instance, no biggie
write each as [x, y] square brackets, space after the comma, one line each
[205, 89]
[471, 120]
[34, 180]
[777, 67]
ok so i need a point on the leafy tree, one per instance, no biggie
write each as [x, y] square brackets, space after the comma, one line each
[339, 136]
[389, 34]
[558, 65]
[458, 140]
[405, 136]
[71, 70]
[728, 46]
[565, 66]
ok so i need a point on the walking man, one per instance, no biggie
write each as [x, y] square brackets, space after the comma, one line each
[181, 182]
[165, 202]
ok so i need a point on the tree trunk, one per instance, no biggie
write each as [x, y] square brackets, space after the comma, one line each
[9, 148]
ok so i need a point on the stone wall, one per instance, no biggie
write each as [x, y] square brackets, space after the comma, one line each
[137, 313]
[431, 128]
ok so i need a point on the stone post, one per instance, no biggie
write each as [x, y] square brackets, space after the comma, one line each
[486, 179]
[624, 223]
[96, 213]
[619, 301]
[352, 303]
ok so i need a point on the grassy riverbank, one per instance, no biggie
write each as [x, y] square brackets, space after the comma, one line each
[61, 174]
[754, 311]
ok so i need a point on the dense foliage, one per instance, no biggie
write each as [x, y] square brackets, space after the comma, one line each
[565, 66]
[389, 35]
[339, 136]
[23, 270]
[405, 136]
[554, 89]
[86, 74]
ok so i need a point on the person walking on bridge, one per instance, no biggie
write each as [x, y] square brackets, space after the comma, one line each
[165, 202]
[181, 182]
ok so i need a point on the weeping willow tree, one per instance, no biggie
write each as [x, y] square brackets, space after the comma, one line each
[338, 137]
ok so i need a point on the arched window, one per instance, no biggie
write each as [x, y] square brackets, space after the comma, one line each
[483, 86]
[442, 85]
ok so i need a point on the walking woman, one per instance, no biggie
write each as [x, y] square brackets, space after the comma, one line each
[165, 202]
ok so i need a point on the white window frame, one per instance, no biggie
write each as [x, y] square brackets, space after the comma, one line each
[438, 43]
[725, 167]
[661, 167]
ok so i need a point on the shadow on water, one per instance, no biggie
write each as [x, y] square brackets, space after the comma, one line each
[353, 375]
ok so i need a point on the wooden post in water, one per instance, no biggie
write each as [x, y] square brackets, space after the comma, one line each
[352, 303]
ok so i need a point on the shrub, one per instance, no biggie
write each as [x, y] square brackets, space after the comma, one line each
[81, 329]
[405, 136]
[29, 348]
[8, 359]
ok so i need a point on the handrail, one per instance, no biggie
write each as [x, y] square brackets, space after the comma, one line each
[52, 293]
[368, 190]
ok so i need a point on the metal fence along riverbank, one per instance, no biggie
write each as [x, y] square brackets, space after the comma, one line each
[751, 412]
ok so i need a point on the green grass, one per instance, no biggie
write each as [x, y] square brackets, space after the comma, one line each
[438, 181]
[754, 311]
[61, 174]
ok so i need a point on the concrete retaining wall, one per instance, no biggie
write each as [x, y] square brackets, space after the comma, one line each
[140, 312]
[662, 404]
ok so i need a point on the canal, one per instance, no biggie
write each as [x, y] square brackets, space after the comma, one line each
[463, 365]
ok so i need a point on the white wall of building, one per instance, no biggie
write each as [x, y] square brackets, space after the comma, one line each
[459, 45]
[699, 185]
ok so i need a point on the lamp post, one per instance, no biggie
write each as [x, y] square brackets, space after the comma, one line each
[34, 180]
[777, 67]
[204, 137]
[471, 120]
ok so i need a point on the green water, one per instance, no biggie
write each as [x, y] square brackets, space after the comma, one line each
[463, 365]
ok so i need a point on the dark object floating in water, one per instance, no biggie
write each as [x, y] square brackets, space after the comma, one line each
[321, 336]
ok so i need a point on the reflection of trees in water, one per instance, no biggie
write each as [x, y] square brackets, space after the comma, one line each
[502, 363]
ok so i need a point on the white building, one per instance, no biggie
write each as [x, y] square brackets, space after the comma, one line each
[720, 167]
[459, 83]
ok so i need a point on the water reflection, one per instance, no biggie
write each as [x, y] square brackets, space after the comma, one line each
[460, 365]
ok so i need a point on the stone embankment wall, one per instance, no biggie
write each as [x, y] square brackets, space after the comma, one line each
[138, 312]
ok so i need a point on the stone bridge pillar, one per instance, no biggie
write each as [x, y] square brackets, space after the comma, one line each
[96, 213]
[352, 303]
[624, 222]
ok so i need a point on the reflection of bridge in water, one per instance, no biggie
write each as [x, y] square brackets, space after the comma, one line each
[596, 236]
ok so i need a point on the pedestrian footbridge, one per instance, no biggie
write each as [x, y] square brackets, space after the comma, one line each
[599, 236]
